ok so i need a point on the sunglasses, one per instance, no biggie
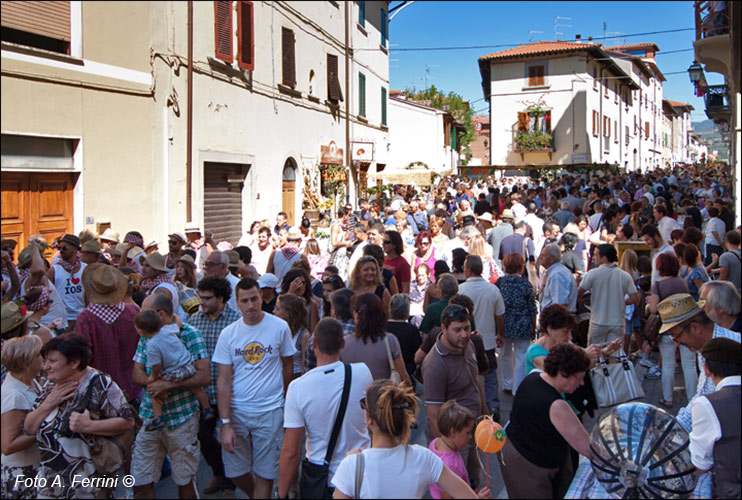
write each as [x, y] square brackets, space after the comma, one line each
[64, 247]
[173, 242]
[457, 310]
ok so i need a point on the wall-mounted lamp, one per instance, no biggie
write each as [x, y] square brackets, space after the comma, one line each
[695, 71]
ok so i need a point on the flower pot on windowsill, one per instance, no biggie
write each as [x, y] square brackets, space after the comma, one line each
[528, 142]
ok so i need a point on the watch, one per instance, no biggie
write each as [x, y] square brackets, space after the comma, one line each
[224, 421]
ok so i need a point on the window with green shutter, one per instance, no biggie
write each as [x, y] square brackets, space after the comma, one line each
[362, 13]
[361, 95]
[383, 106]
[453, 139]
[384, 26]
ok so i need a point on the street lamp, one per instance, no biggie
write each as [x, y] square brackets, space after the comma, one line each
[695, 72]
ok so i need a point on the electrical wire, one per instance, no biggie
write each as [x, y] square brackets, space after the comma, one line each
[471, 47]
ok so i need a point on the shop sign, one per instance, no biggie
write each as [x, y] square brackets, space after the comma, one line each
[337, 175]
[331, 154]
[363, 151]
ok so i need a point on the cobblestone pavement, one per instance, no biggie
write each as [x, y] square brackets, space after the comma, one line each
[652, 390]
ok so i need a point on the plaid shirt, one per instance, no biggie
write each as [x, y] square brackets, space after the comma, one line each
[211, 330]
[113, 345]
[182, 403]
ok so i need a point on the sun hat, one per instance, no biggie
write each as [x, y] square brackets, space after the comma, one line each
[268, 280]
[91, 246]
[156, 261]
[10, 242]
[71, 239]
[486, 217]
[294, 233]
[24, 258]
[110, 235]
[234, 259]
[150, 244]
[121, 247]
[188, 260]
[507, 214]
[104, 284]
[86, 235]
[192, 227]
[178, 236]
[678, 308]
[12, 316]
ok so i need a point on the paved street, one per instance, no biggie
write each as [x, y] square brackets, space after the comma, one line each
[652, 390]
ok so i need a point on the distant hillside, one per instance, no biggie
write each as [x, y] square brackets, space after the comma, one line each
[709, 132]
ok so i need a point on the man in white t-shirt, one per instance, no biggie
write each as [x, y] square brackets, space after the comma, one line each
[314, 409]
[255, 360]
[652, 237]
[261, 250]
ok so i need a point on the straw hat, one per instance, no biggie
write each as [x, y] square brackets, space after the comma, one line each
[234, 259]
[91, 246]
[678, 308]
[110, 235]
[121, 247]
[150, 244]
[86, 235]
[192, 227]
[156, 261]
[294, 234]
[178, 236]
[12, 316]
[188, 260]
[487, 216]
[104, 284]
[507, 214]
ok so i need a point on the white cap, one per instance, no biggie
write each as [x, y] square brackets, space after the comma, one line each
[268, 280]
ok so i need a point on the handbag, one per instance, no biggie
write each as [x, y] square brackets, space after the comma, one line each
[617, 383]
[653, 323]
[108, 453]
[394, 375]
[314, 478]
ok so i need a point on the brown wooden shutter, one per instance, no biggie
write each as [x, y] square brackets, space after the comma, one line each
[539, 75]
[535, 76]
[49, 19]
[606, 126]
[245, 36]
[289, 63]
[595, 129]
[522, 122]
[223, 30]
[334, 91]
[616, 131]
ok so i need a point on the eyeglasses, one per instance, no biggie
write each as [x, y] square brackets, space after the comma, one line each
[363, 403]
[679, 334]
[456, 310]
[62, 248]
[205, 298]
[425, 243]
[210, 264]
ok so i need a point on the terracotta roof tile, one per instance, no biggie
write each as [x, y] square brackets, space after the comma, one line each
[539, 48]
[634, 46]
[677, 104]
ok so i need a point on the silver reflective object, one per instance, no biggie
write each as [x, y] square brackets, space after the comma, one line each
[640, 451]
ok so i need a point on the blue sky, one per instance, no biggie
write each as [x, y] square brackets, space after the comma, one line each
[462, 23]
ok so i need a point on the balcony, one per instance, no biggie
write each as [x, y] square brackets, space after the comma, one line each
[533, 142]
[717, 103]
[713, 42]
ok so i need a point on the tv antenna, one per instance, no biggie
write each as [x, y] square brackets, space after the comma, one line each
[557, 25]
[530, 34]
[617, 38]
[427, 74]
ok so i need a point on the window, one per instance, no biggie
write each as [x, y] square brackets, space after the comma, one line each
[616, 130]
[383, 106]
[288, 42]
[223, 31]
[626, 128]
[362, 13]
[596, 123]
[595, 78]
[606, 126]
[532, 124]
[615, 93]
[361, 95]
[334, 93]
[43, 25]
[646, 98]
[636, 126]
[646, 131]
[384, 27]
[245, 36]
[536, 76]
[605, 88]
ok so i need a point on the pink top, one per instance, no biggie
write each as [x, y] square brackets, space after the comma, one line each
[454, 462]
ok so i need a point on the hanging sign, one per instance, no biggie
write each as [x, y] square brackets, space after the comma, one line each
[331, 154]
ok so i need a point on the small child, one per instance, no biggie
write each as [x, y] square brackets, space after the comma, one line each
[168, 359]
[456, 425]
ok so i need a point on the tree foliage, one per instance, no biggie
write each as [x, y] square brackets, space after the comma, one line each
[454, 104]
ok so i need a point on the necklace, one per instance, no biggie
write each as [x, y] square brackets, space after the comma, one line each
[451, 448]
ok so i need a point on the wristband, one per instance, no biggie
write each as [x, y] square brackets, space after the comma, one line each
[224, 421]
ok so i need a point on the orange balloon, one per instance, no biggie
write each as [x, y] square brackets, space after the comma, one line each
[489, 436]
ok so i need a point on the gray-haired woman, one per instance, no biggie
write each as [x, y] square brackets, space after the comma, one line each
[407, 333]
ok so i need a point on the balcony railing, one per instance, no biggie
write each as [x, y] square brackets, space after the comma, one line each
[717, 103]
[710, 22]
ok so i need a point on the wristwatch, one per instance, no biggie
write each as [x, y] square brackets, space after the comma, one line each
[224, 421]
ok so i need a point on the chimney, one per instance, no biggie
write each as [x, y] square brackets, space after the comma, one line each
[590, 39]
[578, 38]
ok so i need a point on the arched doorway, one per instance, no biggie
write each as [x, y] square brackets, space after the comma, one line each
[289, 190]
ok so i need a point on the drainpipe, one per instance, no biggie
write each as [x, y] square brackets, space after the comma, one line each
[189, 116]
[601, 120]
[347, 102]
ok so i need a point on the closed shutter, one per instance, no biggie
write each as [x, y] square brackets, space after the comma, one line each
[595, 127]
[384, 27]
[49, 19]
[535, 76]
[522, 122]
[606, 126]
[616, 131]
[245, 36]
[223, 201]
[646, 130]
[289, 62]
[223, 30]
[334, 93]
[383, 106]
[362, 13]
[361, 95]
[636, 126]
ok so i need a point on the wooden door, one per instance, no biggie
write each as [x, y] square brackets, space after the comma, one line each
[289, 187]
[37, 203]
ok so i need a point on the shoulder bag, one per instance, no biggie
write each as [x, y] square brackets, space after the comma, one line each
[360, 466]
[394, 375]
[108, 453]
[652, 325]
[616, 383]
[314, 478]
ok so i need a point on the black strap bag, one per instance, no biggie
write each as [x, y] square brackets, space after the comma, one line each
[314, 478]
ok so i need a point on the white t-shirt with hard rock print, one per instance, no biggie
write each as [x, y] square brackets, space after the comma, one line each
[255, 354]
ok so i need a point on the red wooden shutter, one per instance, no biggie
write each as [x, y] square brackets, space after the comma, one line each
[245, 36]
[334, 92]
[646, 130]
[522, 122]
[595, 119]
[49, 19]
[288, 60]
[223, 30]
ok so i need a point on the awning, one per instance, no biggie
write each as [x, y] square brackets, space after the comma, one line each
[406, 177]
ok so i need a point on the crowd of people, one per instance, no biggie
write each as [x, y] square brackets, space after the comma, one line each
[336, 334]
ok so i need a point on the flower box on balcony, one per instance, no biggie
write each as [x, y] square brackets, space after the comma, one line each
[533, 142]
